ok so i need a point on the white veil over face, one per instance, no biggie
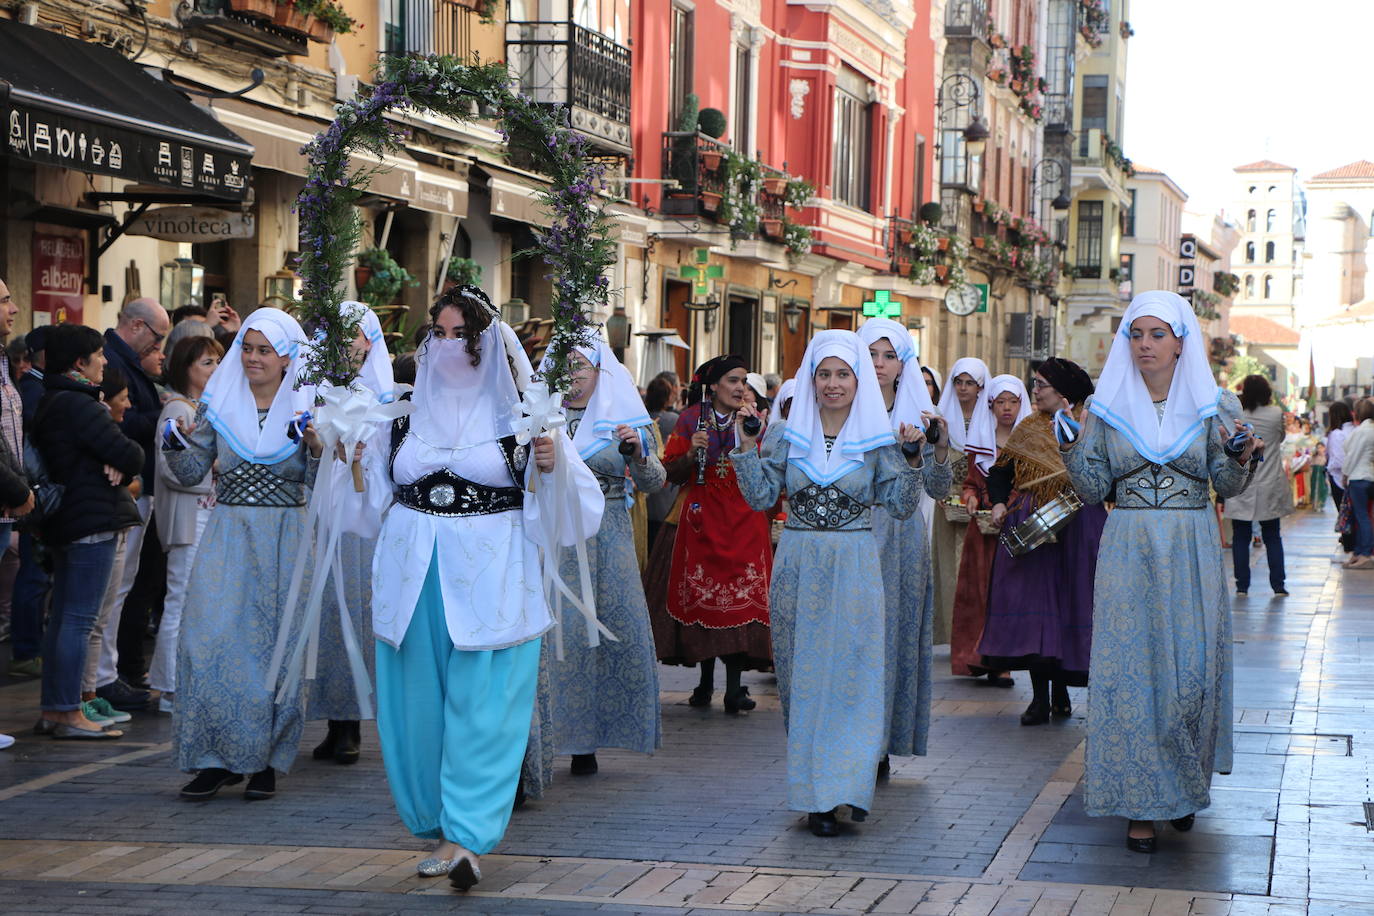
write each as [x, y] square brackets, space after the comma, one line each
[228, 399]
[459, 405]
[949, 401]
[912, 396]
[867, 426]
[1122, 400]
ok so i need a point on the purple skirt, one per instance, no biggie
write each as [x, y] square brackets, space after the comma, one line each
[1040, 605]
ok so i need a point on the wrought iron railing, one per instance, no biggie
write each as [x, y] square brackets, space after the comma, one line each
[967, 17]
[562, 63]
[694, 161]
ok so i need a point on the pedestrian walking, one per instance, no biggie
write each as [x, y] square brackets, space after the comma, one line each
[1340, 421]
[1359, 475]
[606, 694]
[228, 722]
[1268, 499]
[181, 512]
[837, 458]
[1005, 403]
[459, 640]
[1159, 430]
[713, 568]
[908, 585]
[1040, 603]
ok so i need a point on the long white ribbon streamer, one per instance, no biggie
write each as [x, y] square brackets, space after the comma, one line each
[346, 417]
[539, 414]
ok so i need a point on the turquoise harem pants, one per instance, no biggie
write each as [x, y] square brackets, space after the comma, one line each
[453, 727]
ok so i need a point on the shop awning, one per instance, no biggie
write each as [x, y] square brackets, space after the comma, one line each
[515, 194]
[78, 105]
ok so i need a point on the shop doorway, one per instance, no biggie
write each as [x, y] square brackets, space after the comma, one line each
[741, 333]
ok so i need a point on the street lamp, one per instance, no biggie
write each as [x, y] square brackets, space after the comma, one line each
[976, 137]
[1047, 172]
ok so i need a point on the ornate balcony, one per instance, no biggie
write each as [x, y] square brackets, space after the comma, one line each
[967, 18]
[562, 63]
[252, 26]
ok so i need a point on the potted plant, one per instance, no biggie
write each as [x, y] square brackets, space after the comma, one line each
[329, 19]
[942, 243]
[930, 212]
[710, 159]
[771, 227]
[798, 192]
[291, 17]
[385, 279]
[463, 272]
[941, 271]
[979, 242]
[710, 201]
[775, 185]
[255, 9]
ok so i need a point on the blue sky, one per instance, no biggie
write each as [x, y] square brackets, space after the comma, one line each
[1213, 84]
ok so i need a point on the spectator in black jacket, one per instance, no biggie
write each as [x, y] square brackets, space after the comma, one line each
[142, 327]
[30, 383]
[84, 450]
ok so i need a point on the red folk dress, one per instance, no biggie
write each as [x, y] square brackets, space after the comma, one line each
[716, 600]
[971, 591]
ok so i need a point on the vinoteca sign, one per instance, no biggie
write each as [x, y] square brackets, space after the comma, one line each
[194, 224]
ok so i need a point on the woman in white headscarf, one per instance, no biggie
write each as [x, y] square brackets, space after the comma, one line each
[958, 404]
[333, 694]
[905, 552]
[457, 604]
[1004, 404]
[227, 723]
[1159, 723]
[606, 695]
[836, 457]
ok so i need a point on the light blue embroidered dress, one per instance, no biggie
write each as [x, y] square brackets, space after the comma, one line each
[909, 585]
[226, 714]
[332, 693]
[607, 696]
[1159, 713]
[828, 613]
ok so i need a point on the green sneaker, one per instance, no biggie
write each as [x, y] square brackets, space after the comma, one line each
[29, 667]
[89, 710]
[106, 711]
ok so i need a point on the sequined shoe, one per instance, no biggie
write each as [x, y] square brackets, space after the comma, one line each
[464, 873]
[434, 867]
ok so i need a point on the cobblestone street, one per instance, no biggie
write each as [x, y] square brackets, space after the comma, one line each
[990, 822]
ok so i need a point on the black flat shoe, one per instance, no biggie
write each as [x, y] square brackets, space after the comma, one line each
[208, 782]
[885, 768]
[325, 749]
[1183, 824]
[1036, 714]
[262, 785]
[738, 702]
[857, 815]
[1141, 844]
[1060, 707]
[464, 874]
[996, 680]
[350, 733]
[823, 823]
[583, 764]
[701, 697]
[1062, 712]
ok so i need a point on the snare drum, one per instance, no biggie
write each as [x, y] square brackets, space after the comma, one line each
[1043, 525]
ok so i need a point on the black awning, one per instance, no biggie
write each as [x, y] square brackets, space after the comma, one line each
[81, 106]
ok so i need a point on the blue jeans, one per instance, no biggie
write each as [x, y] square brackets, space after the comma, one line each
[31, 589]
[81, 572]
[1240, 552]
[1361, 494]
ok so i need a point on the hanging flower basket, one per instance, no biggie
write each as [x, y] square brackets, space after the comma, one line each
[772, 228]
[710, 160]
[710, 201]
[942, 243]
[775, 187]
[256, 9]
[941, 271]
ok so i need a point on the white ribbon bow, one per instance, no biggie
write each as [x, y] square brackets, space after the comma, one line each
[346, 417]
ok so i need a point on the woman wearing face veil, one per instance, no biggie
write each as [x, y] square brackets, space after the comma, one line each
[457, 604]
[903, 547]
[607, 695]
[837, 458]
[1160, 430]
[227, 722]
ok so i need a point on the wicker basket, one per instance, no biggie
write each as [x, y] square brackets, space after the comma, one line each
[955, 512]
[985, 523]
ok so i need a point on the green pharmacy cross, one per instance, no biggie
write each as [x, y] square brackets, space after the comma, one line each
[882, 306]
[702, 273]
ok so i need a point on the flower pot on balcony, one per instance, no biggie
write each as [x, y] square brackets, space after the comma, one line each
[286, 16]
[360, 277]
[903, 267]
[775, 187]
[257, 9]
[320, 31]
[772, 228]
[942, 244]
[710, 160]
[904, 235]
[710, 201]
[979, 242]
[1016, 86]
[978, 206]
[941, 271]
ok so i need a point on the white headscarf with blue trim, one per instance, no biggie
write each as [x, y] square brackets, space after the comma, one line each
[1123, 401]
[867, 427]
[228, 400]
[912, 394]
[614, 402]
[375, 373]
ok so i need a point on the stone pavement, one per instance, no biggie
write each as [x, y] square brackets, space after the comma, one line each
[989, 822]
